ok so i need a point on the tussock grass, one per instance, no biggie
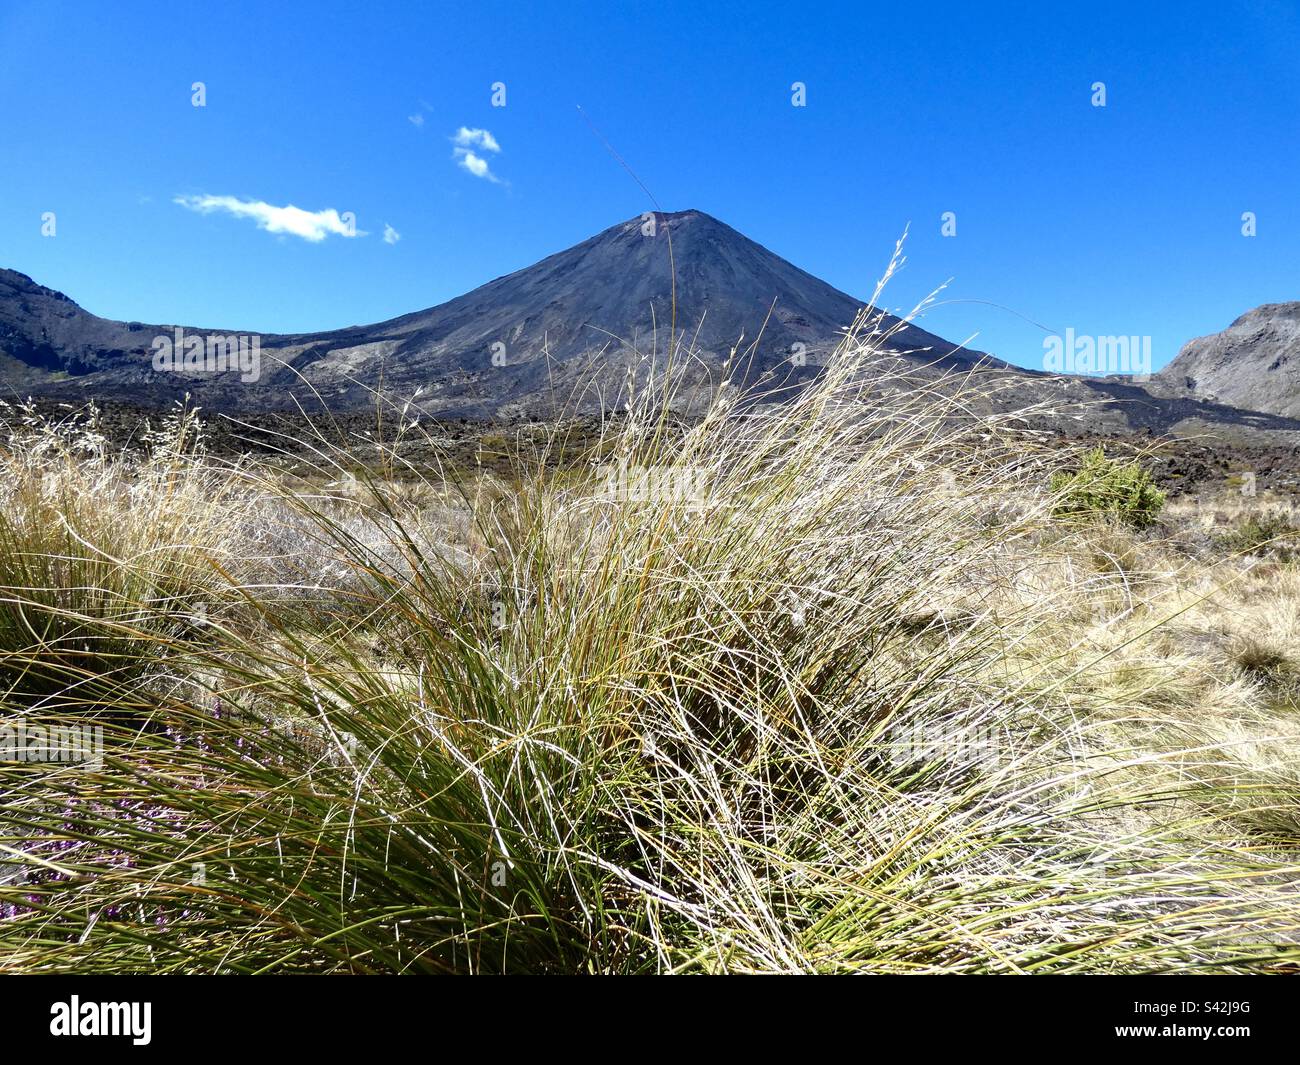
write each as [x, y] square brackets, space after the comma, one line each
[816, 686]
[101, 554]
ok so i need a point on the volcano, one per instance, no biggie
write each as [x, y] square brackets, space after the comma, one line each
[565, 334]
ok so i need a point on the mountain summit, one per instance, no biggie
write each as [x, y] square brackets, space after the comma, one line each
[1254, 363]
[566, 331]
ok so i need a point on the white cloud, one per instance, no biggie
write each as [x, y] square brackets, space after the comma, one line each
[475, 138]
[415, 120]
[465, 141]
[391, 236]
[476, 165]
[312, 226]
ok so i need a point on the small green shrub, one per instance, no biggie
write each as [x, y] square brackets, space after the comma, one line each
[1260, 534]
[1103, 487]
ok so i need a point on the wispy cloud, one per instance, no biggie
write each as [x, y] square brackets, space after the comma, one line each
[313, 226]
[475, 164]
[391, 236]
[417, 119]
[464, 141]
[475, 138]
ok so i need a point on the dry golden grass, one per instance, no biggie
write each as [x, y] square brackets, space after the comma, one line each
[821, 687]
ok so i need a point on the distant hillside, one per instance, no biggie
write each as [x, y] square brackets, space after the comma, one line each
[566, 335]
[1254, 363]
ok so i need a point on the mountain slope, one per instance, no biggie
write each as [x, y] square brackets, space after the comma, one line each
[576, 322]
[1254, 363]
[565, 334]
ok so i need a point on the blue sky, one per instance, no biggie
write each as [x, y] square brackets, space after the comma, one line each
[1122, 220]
